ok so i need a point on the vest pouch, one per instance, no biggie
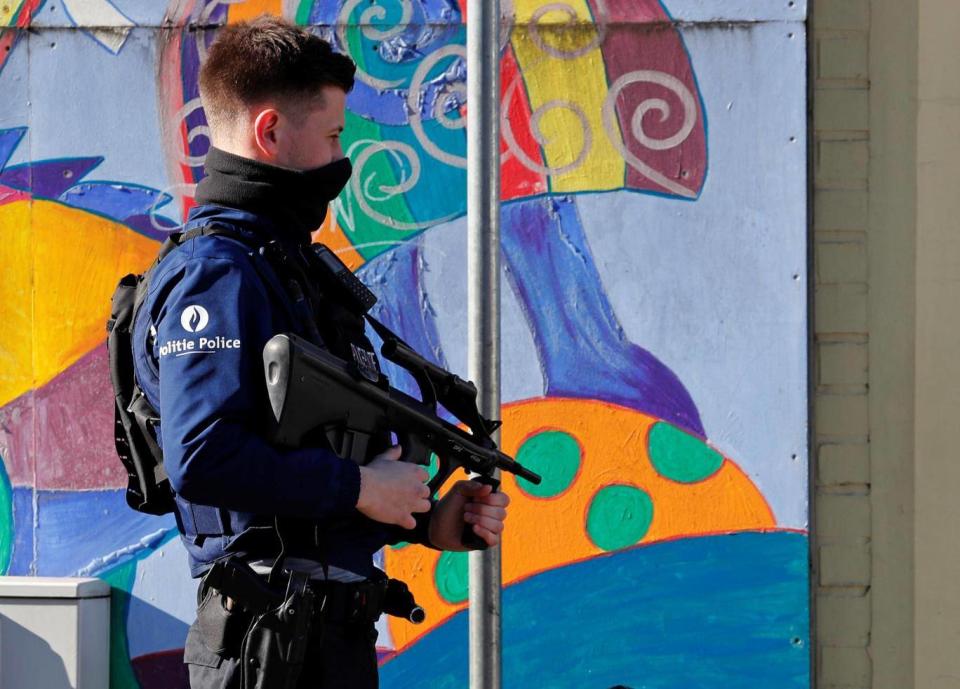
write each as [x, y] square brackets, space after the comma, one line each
[221, 630]
[200, 522]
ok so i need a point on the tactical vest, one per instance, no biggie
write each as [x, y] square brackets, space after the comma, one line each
[328, 302]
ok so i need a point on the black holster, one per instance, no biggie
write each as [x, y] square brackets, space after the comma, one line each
[240, 616]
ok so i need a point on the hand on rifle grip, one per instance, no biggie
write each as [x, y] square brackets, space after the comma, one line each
[469, 538]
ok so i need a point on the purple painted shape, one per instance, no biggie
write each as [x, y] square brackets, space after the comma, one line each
[405, 308]
[48, 179]
[163, 670]
[69, 423]
[144, 225]
[9, 140]
[74, 428]
[583, 350]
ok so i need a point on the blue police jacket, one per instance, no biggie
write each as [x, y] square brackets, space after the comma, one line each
[198, 338]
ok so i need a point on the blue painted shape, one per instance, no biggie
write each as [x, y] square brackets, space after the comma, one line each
[403, 307]
[9, 140]
[159, 613]
[21, 561]
[89, 531]
[583, 350]
[725, 611]
[128, 203]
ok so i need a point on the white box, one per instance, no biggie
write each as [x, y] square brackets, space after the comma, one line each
[54, 633]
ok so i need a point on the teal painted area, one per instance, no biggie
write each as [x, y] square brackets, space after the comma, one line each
[303, 12]
[681, 457]
[6, 519]
[121, 581]
[369, 236]
[728, 612]
[619, 516]
[441, 193]
[452, 577]
[556, 456]
[433, 467]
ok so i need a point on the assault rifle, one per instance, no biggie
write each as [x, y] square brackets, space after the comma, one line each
[313, 391]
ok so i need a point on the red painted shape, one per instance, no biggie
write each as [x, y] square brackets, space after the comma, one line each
[161, 670]
[22, 21]
[70, 420]
[640, 38]
[517, 179]
[9, 194]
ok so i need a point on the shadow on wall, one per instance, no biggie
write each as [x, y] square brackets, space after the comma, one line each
[27, 661]
[158, 670]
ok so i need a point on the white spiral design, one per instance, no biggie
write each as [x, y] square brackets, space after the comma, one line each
[373, 33]
[183, 190]
[571, 24]
[188, 109]
[452, 91]
[536, 130]
[364, 186]
[687, 101]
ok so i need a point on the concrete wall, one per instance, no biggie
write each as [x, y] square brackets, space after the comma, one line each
[654, 315]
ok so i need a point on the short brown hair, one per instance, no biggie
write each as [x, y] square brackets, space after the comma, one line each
[265, 58]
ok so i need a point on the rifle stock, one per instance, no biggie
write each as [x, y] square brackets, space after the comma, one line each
[312, 390]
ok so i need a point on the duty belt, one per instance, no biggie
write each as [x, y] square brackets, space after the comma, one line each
[361, 602]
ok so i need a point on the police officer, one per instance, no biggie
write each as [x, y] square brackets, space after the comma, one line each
[274, 97]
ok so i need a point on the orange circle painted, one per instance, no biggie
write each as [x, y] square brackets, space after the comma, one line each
[545, 533]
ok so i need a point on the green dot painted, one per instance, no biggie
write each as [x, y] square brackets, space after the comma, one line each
[556, 456]
[400, 545]
[452, 577]
[433, 467]
[619, 516]
[681, 457]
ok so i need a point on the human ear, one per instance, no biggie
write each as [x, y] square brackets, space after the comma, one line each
[265, 132]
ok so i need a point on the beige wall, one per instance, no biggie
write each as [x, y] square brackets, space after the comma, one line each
[937, 386]
[887, 261]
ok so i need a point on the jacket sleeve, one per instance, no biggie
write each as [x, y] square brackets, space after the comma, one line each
[210, 333]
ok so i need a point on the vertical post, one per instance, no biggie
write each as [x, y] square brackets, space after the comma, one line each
[483, 301]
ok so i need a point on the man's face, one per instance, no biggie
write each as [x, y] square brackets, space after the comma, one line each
[311, 137]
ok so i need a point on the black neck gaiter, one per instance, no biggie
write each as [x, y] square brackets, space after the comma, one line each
[295, 201]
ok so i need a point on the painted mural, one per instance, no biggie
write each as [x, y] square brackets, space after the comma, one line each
[654, 314]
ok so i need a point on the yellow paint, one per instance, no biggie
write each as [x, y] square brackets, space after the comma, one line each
[16, 300]
[333, 236]
[251, 9]
[8, 10]
[577, 80]
[543, 534]
[63, 263]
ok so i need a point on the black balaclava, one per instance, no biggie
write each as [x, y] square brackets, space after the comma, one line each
[296, 201]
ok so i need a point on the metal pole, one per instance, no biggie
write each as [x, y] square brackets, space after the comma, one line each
[483, 302]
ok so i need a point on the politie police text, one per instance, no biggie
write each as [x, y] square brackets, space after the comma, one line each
[205, 345]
